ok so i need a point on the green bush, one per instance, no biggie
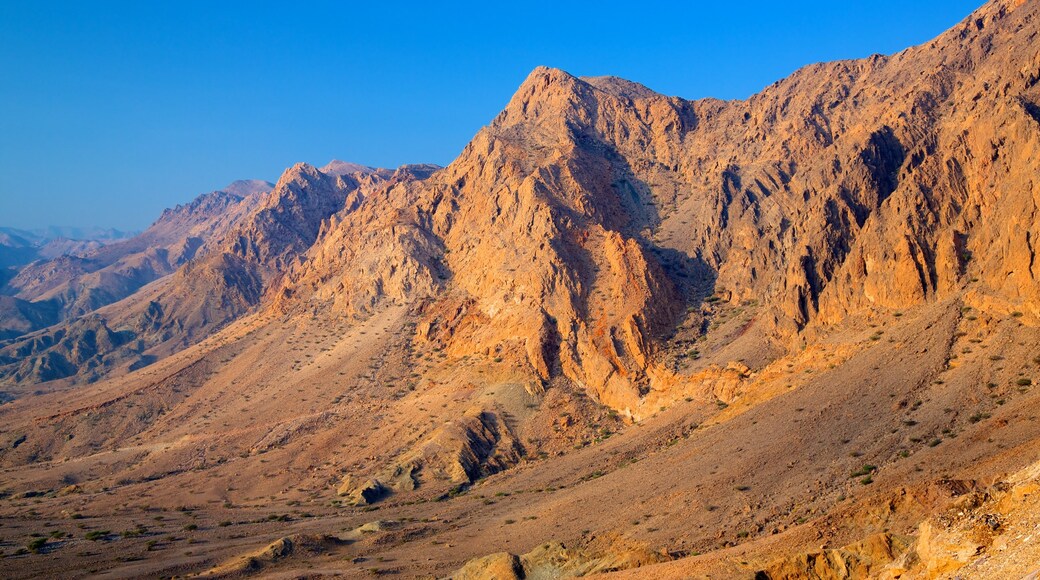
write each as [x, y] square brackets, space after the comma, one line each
[865, 470]
[36, 545]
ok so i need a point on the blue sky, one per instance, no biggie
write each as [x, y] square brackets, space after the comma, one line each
[112, 111]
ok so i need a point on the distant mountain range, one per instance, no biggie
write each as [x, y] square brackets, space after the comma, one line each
[43, 235]
[19, 247]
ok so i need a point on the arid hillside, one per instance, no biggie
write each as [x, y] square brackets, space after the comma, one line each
[789, 337]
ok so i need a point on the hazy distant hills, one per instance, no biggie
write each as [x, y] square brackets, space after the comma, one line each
[89, 274]
[42, 235]
[19, 247]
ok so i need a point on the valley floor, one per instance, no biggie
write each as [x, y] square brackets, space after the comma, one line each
[889, 422]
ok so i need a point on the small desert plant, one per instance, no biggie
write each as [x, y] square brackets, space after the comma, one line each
[978, 417]
[36, 545]
[865, 470]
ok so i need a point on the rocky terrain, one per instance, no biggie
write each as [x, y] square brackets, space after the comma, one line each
[622, 333]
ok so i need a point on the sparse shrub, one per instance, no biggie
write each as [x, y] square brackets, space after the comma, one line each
[865, 470]
[978, 417]
[1024, 382]
[36, 545]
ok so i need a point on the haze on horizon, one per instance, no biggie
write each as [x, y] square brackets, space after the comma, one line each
[107, 116]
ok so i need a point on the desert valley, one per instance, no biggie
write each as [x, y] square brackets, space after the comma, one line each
[622, 333]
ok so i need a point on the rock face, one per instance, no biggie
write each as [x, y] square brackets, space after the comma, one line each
[575, 231]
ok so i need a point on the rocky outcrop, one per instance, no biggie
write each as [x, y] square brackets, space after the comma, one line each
[365, 492]
[985, 534]
[465, 449]
[863, 559]
[459, 452]
[297, 545]
[555, 560]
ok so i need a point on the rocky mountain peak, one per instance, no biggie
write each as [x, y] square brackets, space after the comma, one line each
[337, 167]
[247, 187]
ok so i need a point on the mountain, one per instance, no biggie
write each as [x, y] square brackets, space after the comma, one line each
[198, 268]
[73, 284]
[787, 337]
[20, 247]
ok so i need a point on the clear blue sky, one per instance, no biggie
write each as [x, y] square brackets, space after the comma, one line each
[111, 111]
